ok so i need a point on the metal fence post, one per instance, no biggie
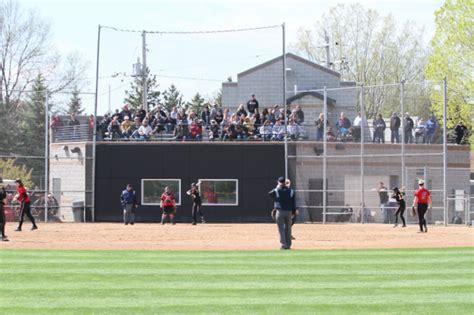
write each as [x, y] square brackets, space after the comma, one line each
[284, 98]
[46, 155]
[445, 153]
[362, 136]
[402, 109]
[325, 110]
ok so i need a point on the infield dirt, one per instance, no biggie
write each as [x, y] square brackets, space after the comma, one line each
[145, 236]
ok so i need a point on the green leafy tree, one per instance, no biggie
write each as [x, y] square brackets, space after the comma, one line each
[453, 57]
[134, 96]
[172, 97]
[10, 170]
[369, 49]
[75, 103]
[196, 104]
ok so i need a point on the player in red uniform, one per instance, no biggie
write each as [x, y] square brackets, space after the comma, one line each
[422, 201]
[168, 204]
[24, 199]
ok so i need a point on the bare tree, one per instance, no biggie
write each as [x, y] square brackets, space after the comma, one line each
[24, 45]
[367, 48]
[26, 51]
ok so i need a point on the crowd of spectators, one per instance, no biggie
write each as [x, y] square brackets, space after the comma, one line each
[250, 123]
[421, 131]
[213, 123]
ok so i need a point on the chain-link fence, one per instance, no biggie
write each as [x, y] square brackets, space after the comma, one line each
[369, 140]
[345, 147]
[49, 152]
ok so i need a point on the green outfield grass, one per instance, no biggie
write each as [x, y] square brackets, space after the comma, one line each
[422, 281]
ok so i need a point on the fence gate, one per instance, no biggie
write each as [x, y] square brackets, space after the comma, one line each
[459, 211]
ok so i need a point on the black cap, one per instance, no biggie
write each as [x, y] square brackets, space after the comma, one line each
[193, 184]
[17, 180]
[129, 185]
[281, 179]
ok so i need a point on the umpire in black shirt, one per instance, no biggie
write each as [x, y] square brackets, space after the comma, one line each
[284, 203]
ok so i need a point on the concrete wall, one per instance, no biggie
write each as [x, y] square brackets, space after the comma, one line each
[70, 169]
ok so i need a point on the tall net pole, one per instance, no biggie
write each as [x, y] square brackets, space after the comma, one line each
[402, 117]
[325, 111]
[284, 98]
[144, 72]
[362, 139]
[445, 152]
[94, 131]
[46, 155]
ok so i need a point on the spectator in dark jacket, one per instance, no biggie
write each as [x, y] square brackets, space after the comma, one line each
[394, 128]
[141, 113]
[125, 112]
[214, 131]
[459, 131]
[379, 129]
[299, 115]
[206, 116]
[409, 125]
[252, 104]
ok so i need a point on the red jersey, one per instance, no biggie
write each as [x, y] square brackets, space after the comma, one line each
[423, 195]
[168, 199]
[22, 194]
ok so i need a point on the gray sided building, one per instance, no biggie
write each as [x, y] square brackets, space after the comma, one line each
[302, 78]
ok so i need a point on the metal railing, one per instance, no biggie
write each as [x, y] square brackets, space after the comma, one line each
[301, 132]
[77, 133]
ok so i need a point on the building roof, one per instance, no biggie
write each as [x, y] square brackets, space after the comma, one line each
[348, 83]
[293, 56]
[229, 83]
[295, 97]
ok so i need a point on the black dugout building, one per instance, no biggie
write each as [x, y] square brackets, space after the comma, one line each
[254, 167]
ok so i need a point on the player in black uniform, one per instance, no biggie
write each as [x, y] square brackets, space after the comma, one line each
[400, 198]
[197, 202]
[3, 195]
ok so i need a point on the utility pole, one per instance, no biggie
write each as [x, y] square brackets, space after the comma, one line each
[144, 73]
[109, 110]
[326, 45]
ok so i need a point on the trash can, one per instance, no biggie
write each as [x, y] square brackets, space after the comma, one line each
[78, 210]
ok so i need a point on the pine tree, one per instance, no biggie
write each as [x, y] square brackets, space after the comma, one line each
[196, 104]
[31, 136]
[134, 96]
[75, 104]
[172, 98]
[217, 99]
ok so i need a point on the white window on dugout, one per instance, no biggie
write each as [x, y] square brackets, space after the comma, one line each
[153, 188]
[219, 192]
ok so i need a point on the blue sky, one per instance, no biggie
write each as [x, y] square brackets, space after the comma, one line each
[194, 63]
